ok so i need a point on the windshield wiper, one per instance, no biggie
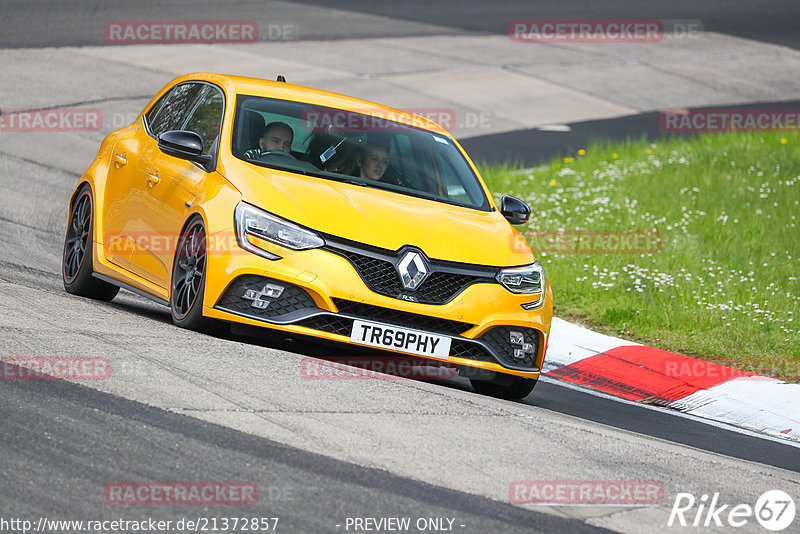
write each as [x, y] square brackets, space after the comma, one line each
[453, 202]
[344, 180]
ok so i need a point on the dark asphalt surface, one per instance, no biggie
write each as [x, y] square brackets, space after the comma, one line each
[658, 423]
[772, 21]
[80, 22]
[62, 443]
[533, 146]
[665, 425]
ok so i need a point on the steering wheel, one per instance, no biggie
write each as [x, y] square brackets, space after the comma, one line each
[275, 153]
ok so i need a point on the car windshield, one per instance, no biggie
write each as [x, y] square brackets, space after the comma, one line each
[357, 148]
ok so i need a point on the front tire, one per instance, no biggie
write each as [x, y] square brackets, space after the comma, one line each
[76, 261]
[505, 387]
[189, 280]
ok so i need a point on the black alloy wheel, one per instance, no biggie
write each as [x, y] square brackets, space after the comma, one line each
[189, 281]
[76, 261]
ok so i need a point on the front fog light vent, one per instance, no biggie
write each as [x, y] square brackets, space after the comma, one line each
[259, 299]
[514, 346]
[522, 350]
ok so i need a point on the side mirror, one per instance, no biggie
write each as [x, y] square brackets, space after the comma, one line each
[185, 145]
[515, 210]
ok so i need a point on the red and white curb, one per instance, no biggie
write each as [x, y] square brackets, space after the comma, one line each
[645, 374]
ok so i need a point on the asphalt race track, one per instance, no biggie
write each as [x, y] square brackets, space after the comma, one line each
[536, 146]
[74, 23]
[182, 406]
[110, 438]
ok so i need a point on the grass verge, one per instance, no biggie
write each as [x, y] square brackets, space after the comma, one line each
[722, 284]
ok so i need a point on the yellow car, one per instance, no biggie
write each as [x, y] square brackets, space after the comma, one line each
[240, 200]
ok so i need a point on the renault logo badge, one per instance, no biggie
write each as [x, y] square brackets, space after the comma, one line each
[413, 270]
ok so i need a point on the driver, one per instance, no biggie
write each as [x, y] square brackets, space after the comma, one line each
[277, 136]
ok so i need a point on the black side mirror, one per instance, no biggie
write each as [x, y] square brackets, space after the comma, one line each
[515, 210]
[185, 145]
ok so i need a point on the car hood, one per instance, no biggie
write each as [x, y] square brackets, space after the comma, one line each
[385, 219]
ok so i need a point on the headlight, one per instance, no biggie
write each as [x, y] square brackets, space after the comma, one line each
[252, 221]
[526, 280]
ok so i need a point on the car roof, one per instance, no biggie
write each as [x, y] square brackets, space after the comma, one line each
[287, 91]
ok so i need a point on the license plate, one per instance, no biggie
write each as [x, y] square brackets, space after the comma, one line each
[401, 339]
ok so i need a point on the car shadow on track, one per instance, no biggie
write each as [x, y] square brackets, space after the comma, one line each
[332, 360]
[141, 306]
[325, 359]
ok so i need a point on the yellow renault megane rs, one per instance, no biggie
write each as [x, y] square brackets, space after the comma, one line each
[240, 200]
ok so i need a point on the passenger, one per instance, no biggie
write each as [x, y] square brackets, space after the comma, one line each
[277, 136]
[373, 162]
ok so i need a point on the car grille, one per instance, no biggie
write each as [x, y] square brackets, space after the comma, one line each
[293, 298]
[470, 351]
[329, 323]
[401, 318]
[376, 267]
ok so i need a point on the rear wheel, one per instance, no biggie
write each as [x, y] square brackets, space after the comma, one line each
[189, 280]
[76, 262]
[505, 386]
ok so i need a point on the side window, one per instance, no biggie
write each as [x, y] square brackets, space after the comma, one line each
[150, 115]
[173, 112]
[206, 119]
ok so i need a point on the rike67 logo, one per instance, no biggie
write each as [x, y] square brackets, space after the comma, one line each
[774, 510]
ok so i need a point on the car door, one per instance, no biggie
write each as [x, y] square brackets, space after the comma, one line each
[123, 190]
[129, 188]
[174, 186]
[119, 224]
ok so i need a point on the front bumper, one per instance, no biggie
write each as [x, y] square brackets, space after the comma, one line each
[323, 294]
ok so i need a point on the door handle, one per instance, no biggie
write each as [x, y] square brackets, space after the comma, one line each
[153, 178]
[120, 160]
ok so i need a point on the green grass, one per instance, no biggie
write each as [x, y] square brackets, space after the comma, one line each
[725, 285]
